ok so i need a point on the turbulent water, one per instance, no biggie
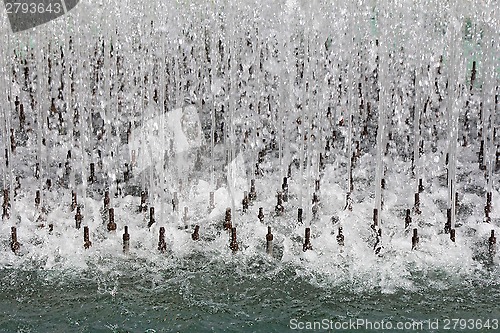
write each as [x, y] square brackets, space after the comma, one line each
[254, 294]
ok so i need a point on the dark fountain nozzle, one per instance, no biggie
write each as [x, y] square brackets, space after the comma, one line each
[340, 237]
[307, 241]
[106, 200]
[126, 241]
[78, 217]
[269, 242]
[74, 202]
[234, 244]
[261, 215]
[111, 224]
[315, 205]
[175, 202]
[375, 218]
[14, 244]
[407, 219]
[252, 195]
[487, 208]
[492, 243]
[162, 245]
[348, 202]
[143, 207]
[447, 226]
[37, 199]
[92, 177]
[420, 186]
[227, 220]
[196, 233]
[279, 209]
[245, 202]
[6, 204]
[151, 216]
[86, 239]
[414, 239]
[417, 204]
[284, 187]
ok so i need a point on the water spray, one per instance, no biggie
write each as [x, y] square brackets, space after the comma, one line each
[22, 117]
[472, 75]
[106, 200]
[185, 218]
[175, 203]
[211, 202]
[127, 174]
[481, 156]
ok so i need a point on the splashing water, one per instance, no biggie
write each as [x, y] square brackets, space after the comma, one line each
[379, 103]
